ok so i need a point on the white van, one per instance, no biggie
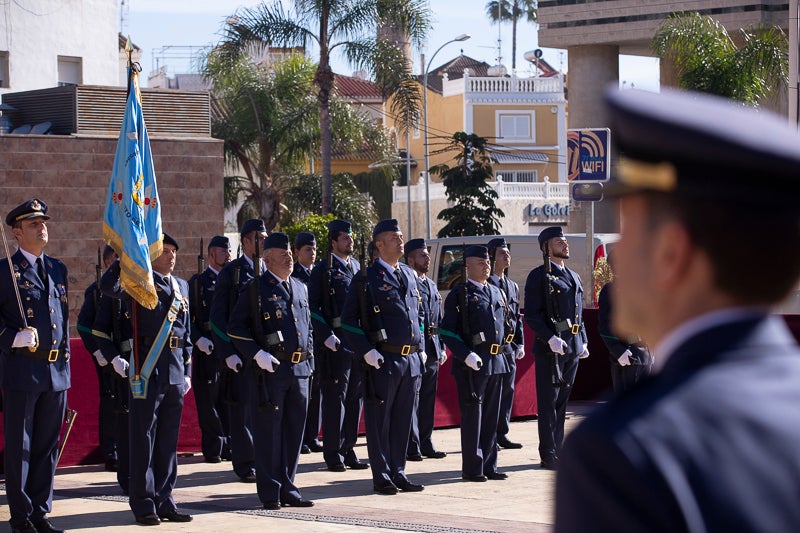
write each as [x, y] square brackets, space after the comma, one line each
[447, 263]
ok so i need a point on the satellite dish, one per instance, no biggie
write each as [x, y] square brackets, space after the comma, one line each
[22, 130]
[41, 128]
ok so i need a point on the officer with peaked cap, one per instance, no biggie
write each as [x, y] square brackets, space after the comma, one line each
[233, 383]
[36, 373]
[212, 415]
[708, 194]
[473, 328]
[514, 343]
[381, 321]
[270, 325]
[154, 417]
[554, 310]
[420, 442]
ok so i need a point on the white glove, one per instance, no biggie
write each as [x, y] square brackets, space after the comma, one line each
[373, 358]
[234, 362]
[423, 356]
[120, 366]
[473, 361]
[187, 384]
[625, 358]
[585, 352]
[100, 359]
[24, 339]
[266, 361]
[443, 358]
[205, 345]
[520, 352]
[332, 343]
[558, 345]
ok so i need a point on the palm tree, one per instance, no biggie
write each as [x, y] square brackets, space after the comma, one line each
[749, 66]
[500, 11]
[346, 24]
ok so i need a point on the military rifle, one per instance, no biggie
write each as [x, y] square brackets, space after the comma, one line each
[197, 289]
[469, 339]
[229, 392]
[330, 310]
[260, 320]
[366, 303]
[551, 312]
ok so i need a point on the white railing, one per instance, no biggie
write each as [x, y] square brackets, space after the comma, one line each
[532, 87]
[505, 190]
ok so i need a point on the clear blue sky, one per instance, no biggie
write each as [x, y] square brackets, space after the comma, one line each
[153, 24]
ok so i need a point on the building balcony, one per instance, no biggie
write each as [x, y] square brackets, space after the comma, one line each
[505, 88]
[557, 192]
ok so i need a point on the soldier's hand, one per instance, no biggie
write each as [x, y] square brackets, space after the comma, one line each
[373, 358]
[234, 362]
[266, 361]
[585, 352]
[520, 352]
[443, 358]
[332, 343]
[98, 355]
[625, 358]
[473, 361]
[187, 384]
[120, 366]
[423, 356]
[557, 345]
[205, 345]
[24, 338]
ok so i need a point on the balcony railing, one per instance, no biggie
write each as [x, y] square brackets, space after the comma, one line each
[526, 88]
[505, 191]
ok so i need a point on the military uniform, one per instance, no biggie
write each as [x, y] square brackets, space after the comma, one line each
[479, 391]
[276, 320]
[34, 383]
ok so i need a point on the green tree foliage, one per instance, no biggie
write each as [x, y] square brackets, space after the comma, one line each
[347, 25]
[500, 11]
[748, 66]
[474, 211]
[316, 224]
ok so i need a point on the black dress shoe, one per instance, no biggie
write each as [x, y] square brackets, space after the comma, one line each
[497, 476]
[305, 450]
[503, 442]
[44, 526]
[272, 506]
[407, 486]
[339, 467]
[435, 455]
[479, 478]
[249, 477]
[213, 459]
[414, 457]
[314, 446]
[25, 527]
[299, 502]
[548, 465]
[148, 520]
[175, 516]
[355, 464]
[387, 488]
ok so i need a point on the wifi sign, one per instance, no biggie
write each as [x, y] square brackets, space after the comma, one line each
[588, 154]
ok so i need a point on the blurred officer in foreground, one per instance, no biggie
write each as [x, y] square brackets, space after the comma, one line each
[271, 327]
[711, 240]
[35, 366]
[420, 442]
[474, 328]
[212, 415]
[554, 310]
[381, 321]
[164, 346]
[234, 384]
[513, 343]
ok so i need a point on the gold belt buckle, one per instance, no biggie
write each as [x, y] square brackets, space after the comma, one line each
[52, 357]
[494, 349]
[296, 356]
[173, 342]
[576, 328]
[509, 338]
[405, 350]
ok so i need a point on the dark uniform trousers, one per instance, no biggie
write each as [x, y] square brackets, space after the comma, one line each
[340, 374]
[389, 392]
[420, 441]
[154, 421]
[279, 400]
[235, 388]
[311, 432]
[212, 416]
[552, 400]
[34, 389]
[478, 391]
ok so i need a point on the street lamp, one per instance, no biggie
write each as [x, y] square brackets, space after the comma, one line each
[462, 37]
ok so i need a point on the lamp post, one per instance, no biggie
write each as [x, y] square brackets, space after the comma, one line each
[462, 37]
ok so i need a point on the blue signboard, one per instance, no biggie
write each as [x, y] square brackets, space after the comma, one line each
[588, 157]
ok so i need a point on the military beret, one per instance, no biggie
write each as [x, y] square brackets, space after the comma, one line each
[701, 146]
[339, 225]
[276, 240]
[415, 244]
[304, 238]
[170, 240]
[476, 250]
[549, 233]
[31, 209]
[219, 241]
[498, 242]
[254, 224]
[385, 225]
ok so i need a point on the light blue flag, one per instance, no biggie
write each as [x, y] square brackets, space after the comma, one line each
[132, 221]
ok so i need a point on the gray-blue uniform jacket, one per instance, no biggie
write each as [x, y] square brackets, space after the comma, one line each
[431, 302]
[225, 297]
[513, 327]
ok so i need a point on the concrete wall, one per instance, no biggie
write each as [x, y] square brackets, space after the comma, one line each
[71, 175]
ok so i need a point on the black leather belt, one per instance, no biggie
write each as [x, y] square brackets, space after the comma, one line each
[51, 356]
[494, 349]
[567, 325]
[172, 341]
[403, 350]
[295, 357]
